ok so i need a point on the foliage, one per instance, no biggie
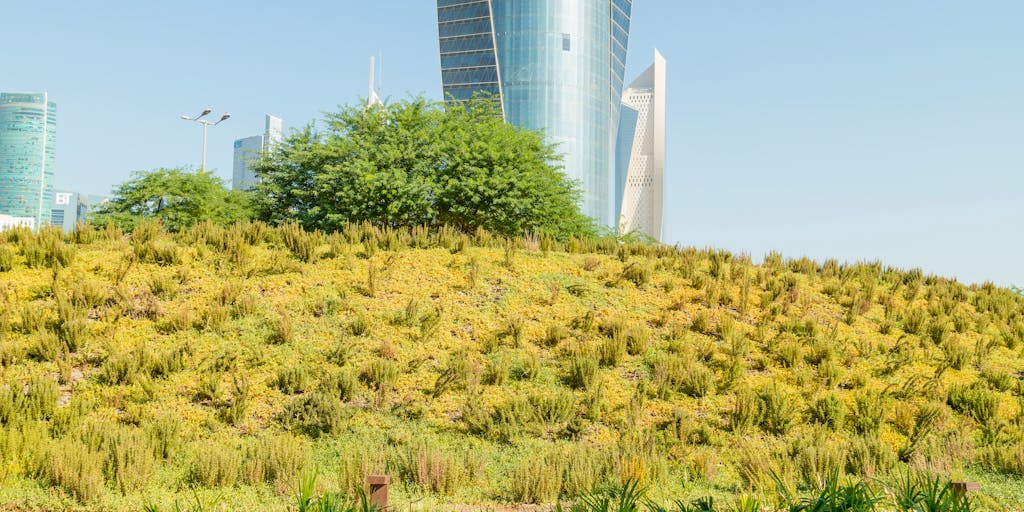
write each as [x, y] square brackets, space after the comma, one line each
[178, 198]
[134, 370]
[417, 163]
[314, 414]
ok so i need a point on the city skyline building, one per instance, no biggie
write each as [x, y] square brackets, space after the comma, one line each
[640, 153]
[65, 210]
[71, 208]
[554, 65]
[9, 222]
[251, 148]
[28, 149]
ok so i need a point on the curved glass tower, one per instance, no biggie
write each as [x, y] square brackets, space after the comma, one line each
[28, 133]
[556, 65]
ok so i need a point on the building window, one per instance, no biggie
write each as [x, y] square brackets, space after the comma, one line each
[567, 42]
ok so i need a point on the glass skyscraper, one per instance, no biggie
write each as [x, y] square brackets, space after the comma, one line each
[556, 66]
[252, 148]
[28, 133]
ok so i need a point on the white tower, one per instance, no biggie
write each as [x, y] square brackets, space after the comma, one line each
[373, 98]
[640, 162]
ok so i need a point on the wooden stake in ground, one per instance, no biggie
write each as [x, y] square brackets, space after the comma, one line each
[378, 485]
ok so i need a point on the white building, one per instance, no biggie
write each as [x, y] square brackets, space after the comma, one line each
[252, 148]
[640, 153]
[8, 222]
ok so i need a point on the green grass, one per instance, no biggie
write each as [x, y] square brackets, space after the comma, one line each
[477, 370]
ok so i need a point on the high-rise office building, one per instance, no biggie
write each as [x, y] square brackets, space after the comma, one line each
[28, 133]
[640, 153]
[71, 208]
[252, 148]
[556, 66]
[246, 150]
[66, 209]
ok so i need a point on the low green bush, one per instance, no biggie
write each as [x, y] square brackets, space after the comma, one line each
[610, 351]
[39, 400]
[777, 410]
[7, 255]
[293, 380]
[428, 466]
[869, 457]
[496, 373]
[744, 413]
[277, 460]
[697, 381]
[828, 410]
[536, 479]
[342, 384]
[379, 374]
[583, 371]
[869, 412]
[314, 414]
[637, 274]
[76, 469]
[214, 465]
[553, 406]
[974, 400]
[554, 335]
[282, 328]
[234, 411]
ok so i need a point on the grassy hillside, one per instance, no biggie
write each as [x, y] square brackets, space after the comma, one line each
[477, 370]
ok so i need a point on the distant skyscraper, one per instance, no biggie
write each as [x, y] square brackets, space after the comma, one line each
[28, 133]
[556, 66]
[250, 149]
[71, 208]
[640, 153]
[274, 129]
[64, 211]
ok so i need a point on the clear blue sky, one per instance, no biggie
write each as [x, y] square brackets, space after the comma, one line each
[867, 129]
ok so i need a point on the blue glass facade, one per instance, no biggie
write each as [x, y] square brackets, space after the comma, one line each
[623, 152]
[28, 133]
[557, 66]
[468, 61]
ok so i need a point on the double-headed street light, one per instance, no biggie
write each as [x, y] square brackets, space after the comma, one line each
[206, 124]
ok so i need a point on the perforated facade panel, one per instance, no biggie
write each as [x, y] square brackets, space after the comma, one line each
[641, 173]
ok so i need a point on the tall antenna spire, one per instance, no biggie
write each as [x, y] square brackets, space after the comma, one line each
[373, 98]
[373, 75]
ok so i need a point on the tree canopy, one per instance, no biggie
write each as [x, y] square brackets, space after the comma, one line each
[418, 163]
[179, 198]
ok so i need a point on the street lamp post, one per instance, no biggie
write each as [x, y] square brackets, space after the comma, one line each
[206, 124]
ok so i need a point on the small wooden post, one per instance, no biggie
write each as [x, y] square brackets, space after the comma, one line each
[964, 488]
[378, 485]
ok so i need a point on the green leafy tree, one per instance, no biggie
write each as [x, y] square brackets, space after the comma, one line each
[179, 198]
[420, 163]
